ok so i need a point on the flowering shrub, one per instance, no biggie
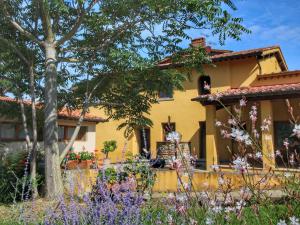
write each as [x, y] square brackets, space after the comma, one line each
[85, 155]
[103, 206]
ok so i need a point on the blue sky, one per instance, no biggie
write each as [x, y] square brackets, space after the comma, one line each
[272, 22]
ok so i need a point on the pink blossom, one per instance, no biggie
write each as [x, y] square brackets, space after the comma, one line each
[286, 143]
[232, 122]
[218, 123]
[278, 153]
[253, 113]
[206, 86]
[215, 167]
[240, 164]
[243, 102]
[296, 130]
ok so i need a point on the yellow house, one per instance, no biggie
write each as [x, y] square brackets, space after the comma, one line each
[231, 70]
[259, 75]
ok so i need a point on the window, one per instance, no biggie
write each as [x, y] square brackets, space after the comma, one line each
[167, 94]
[66, 132]
[12, 132]
[167, 128]
[204, 85]
[283, 131]
[8, 131]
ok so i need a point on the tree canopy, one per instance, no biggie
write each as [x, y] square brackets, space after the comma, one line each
[102, 53]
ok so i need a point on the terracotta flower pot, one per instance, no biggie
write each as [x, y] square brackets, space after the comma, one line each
[72, 164]
[85, 164]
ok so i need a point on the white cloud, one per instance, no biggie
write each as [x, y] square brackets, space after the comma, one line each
[276, 33]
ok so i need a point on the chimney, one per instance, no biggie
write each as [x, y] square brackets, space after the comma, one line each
[198, 42]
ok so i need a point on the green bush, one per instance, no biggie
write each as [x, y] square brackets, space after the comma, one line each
[86, 156]
[109, 146]
[109, 175]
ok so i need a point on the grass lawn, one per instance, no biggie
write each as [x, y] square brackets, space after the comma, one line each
[33, 210]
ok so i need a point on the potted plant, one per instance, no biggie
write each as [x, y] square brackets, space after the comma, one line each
[85, 159]
[109, 146]
[72, 160]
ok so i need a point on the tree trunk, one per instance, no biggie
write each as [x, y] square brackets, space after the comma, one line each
[35, 192]
[54, 184]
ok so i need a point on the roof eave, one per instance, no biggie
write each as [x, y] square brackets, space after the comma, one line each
[250, 97]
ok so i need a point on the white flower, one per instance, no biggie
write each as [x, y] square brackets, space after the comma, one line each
[266, 124]
[170, 219]
[243, 102]
[232, 122]
[173, 137]
[271, 155]
[215, 167]
[212, 203]
[255, 133]
[287, 175]
[296, 130]
[181, 198]
[292, 159]
[228, 199]
[286, 143]
[193, 222]
[245, 191]
[209, 221]
[281, 222]
[240, 136]
[278, 153]
[294, 220]
[171, 195]
[221, 181]
[240, 204]
[218, 123]
[206, 86]
[229, 209]
[240, 164]
[186, 186]
[217, 209]
[258, 155]
[253, 113]
[237, 134]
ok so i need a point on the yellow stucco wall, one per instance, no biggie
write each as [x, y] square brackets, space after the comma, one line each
[186, 113]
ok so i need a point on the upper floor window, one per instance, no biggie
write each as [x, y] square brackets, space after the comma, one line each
[204, 85]
[168, 93]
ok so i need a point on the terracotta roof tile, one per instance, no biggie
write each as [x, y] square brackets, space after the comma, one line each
[75, 114]
[231, 55]
[242, 53]
[267, 92]
[65, 113]
[293, 73]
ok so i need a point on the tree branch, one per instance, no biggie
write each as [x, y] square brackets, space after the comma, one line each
[18, 27]
[80, 120]
[15, 49]
[26, 33]
[77, 24]
[46, 21]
